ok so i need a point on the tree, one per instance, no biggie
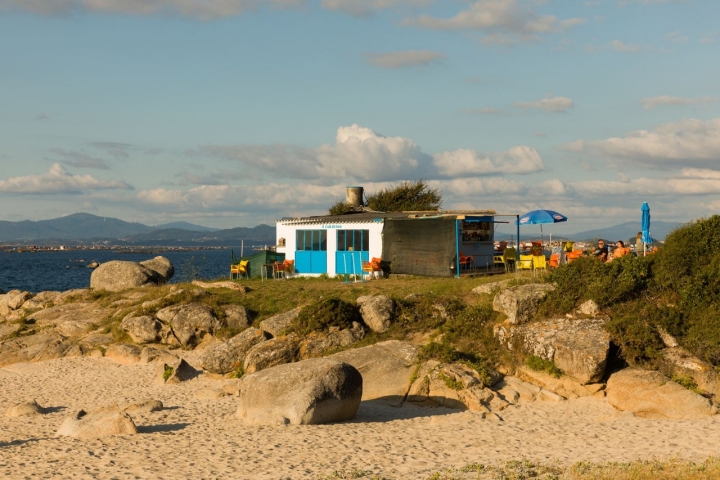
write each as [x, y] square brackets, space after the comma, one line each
[406, 196]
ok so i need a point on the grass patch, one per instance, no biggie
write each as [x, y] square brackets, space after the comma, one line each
[238, 372]
[167, 373]
[323, 314]
[539, 364]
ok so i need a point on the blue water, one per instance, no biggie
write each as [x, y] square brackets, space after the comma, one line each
[65, 270]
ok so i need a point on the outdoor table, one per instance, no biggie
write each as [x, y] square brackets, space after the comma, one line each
[264, 270]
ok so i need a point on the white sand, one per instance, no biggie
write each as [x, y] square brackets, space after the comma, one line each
[201, 438]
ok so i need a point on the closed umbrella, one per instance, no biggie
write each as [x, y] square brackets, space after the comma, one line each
[646, 238]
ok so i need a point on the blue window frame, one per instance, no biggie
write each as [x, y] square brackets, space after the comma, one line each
[311, 251]
[353, 248]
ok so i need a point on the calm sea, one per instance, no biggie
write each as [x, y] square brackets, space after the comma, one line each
[65, 270]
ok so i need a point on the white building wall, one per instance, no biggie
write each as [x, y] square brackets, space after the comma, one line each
[287, 230]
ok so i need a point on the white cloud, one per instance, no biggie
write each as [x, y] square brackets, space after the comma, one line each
[517, 160]
[553, 105]
[665, 100]
[684, 142]
[358, 153]
[550, 187]
[367, 7]
[504, 21]
[200, 10]
[620, 46]
[407, 58]
[478, 187]
[78, 159]
[676, 37]
[649, 187]
[58, 180]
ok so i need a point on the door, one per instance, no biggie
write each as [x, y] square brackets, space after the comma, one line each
[311, 253]
[353, 248]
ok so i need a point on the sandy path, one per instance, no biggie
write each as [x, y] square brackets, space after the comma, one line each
[195, 438]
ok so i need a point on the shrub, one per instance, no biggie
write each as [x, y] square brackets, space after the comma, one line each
[341, 208]
[407, 196]
[326, 313]
[539, 364]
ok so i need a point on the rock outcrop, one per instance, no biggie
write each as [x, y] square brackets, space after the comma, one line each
[175, 372]
[651, 394]
[678, 362]
[237, 317]
[578, 347]
[118, 275]
[145, 329]
[190, 322]
[278, 324]
[386, 368]
[99, 423]
[377, 312]
[488, 288]
[276, 351]
[228, 356]
[24, 409]
[315, 391]
[520, 303]
[123, 353]
[317, 344]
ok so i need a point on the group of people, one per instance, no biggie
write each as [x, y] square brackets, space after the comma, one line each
[603, 252]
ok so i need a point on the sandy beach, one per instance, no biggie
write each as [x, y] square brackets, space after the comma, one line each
[195, 438]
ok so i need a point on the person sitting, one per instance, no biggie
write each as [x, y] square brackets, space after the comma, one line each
[601, 251]
[620, 249]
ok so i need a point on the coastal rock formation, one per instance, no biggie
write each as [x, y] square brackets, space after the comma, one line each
[24, 409]
[175, 372]
[123, 353]
[237, 317]
[228, 356]
[162, 267]
[151, 354]
[278, 324]
[145, 406]
[276, 351]
[44, 345]
[377, 311]
[386, 367]
[651, 394]
[143, 329]
[520, 303]
[224, 284]
[99, 423]
[190, 322]
[13, 300]
[118, 275]
[488, 288]
[563, 386]
[514, 390]
[316, 344]
[453, 386]
[578, 347]
[678, 362]
[310, 392]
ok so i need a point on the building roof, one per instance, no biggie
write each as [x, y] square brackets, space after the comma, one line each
[365, 217]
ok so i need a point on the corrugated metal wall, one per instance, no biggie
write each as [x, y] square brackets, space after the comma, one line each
[420, 246]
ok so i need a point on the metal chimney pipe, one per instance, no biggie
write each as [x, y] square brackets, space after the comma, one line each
[354, 196]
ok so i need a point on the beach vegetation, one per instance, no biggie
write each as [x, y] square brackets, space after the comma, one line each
[540, 364]
[167, 372]
[325, 313]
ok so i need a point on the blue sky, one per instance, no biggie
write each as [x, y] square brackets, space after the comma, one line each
[238, 112]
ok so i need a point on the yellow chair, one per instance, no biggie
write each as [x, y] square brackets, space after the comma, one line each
[509, 257]
[499, 260]
[525, 262]
[237, 271]
[539, 263]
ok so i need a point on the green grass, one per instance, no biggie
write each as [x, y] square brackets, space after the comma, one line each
[539, 364]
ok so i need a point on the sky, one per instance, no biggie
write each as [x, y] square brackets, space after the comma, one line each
[231, 113]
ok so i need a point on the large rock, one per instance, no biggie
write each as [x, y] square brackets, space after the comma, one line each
[651, 394]
[228, 356]
[144, 329]
[315, 391]
[377, 311]
[175, 372]
[45, 345]
[678, 362]
[386, 367]
[237, 317]
[13, 300]
[564, 386]
[223, 284]
[318, 344]
[276, 351]
[78, 316]
[118, 275]
[99, 423]
[488, 288]
[190, 322]
[578, 347]
[453, 386]
[24, 409]
[162, 267]
[123, 353]
[520, 303]
[278, 324]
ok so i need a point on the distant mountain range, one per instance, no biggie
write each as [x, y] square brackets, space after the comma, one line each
[659, 230]
[84, 228]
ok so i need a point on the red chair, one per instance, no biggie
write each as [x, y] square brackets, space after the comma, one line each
[554, 260]
[466, 261]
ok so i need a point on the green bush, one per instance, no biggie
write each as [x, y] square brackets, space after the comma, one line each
[326, 313]
[539, 364]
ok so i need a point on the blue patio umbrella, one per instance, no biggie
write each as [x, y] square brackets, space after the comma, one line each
[540, 217]
[646, 238]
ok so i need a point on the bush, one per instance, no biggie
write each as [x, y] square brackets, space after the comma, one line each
[323, 314]
[407, 196]
[539, 364]
[341, 207]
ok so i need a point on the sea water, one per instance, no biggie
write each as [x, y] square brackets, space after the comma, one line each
[66, 270]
